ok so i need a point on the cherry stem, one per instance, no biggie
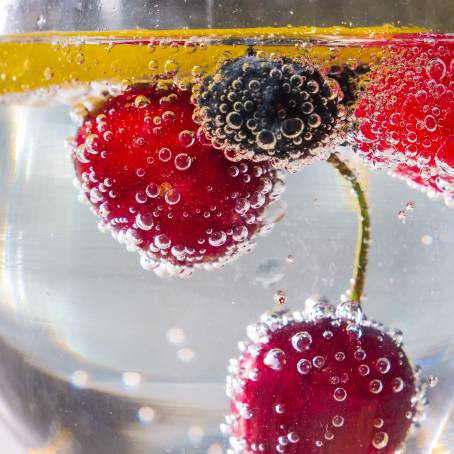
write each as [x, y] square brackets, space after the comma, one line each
[364, 229]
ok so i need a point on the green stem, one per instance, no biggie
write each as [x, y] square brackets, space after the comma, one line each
[364, 227]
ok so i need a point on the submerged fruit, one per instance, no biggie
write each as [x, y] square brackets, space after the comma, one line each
[321, 382]
[159, 186]
[279, 109]
[406, 115]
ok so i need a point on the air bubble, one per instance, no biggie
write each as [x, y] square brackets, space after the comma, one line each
[337, 421]
[153, 190]
[144, 221]
[307, 107]
[436, 69]
[314, 120]
[104, 210]
[254, 85]
[80, 154]
[141, 101]
[169, 117]
[329, 436]
[292, 127]
[283, 441]
[339, 356]
[162, 241]
[301, 341]
[141, 197]
[266, 139]
[380, 440]
[243, 167]
[378, 423]
[172, 197]
[48, 73]
[375, 386]
[276, 74]
[355, 329]
[340, 394]
[318, 361]
[92, 143]
[164, 154]
[383, 365]
[133, 237]
[444, 159]
[153, 65]
[444, 185]
[293, 437]
[240, 233]
[397, 385]
[182, 161]
[364, 370]
[430, 123]
[304, 366]
[108, 136]
[275, 359]
[242, 206]
[257, 199]
[234, 120]
[313, 86]
[186, 138]
[217, 238]
[360, 354]
[234, 171]
[171, 66]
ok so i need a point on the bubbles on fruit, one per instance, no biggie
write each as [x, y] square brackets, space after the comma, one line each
[316, 386]
[171, 197]
[276, 109]
[405, 119]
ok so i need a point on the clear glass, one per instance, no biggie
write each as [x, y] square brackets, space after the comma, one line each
[98, 355]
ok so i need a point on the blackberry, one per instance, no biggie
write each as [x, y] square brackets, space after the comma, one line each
[348, 79]
[278, 109]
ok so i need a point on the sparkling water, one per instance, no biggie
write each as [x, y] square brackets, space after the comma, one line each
[99, 355]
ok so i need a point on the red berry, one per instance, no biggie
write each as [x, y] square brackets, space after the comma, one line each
[157, 186]
[437, 186]
[406, 115]
[321, 382]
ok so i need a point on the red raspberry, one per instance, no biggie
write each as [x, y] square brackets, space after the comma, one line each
[406, 115]
[321, 382]
[159, 188]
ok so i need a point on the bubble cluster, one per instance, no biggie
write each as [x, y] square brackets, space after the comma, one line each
[161, 189]
[300, 371]
[276, 108]
[405, 115]
[348, 78]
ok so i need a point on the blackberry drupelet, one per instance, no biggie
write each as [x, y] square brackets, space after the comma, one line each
[278, 109]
